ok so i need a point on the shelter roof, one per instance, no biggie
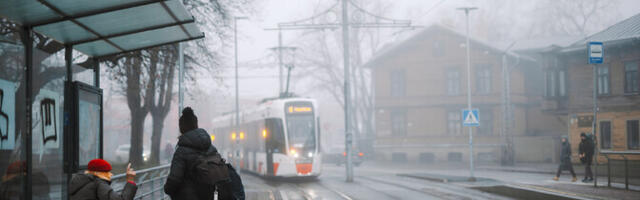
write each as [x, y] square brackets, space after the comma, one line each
[102, 28]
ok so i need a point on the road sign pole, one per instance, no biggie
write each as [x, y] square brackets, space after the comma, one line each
[466, 12]
[596, 56]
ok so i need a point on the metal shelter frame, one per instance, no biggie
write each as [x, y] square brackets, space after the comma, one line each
[98, 29]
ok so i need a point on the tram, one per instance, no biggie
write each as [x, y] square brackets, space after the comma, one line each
[278, 138]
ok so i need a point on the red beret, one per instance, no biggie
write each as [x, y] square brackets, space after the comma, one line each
[99, 165]
[17, 167]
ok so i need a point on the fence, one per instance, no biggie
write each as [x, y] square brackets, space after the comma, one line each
[150, 182]
[625, 162]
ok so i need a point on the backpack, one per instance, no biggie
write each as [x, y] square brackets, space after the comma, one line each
[233, 189]
[210, 169]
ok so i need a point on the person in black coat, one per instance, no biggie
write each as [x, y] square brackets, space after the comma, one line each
[565, 160]
[181, 183]
[585, 150]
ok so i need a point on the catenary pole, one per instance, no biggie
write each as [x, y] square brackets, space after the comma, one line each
[347, 88]
[280, 61]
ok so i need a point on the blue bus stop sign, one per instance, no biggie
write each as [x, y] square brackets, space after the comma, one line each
[596, 52]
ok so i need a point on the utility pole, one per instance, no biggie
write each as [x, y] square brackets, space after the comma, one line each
[347, 88]
[280, 60]
[180, 78]
[466, 13]
[507, 115]
[344, 24]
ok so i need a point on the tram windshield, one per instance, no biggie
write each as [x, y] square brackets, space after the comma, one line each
[301, 131]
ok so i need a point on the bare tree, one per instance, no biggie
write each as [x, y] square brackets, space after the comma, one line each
[568, 17]
[146, 77]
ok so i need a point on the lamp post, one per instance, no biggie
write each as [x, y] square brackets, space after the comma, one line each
[466, 13]
[235, 45]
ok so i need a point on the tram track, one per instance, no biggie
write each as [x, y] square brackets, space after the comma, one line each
[431, 192]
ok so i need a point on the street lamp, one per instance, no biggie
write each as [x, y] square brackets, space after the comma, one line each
[466, 13]
[235, 42]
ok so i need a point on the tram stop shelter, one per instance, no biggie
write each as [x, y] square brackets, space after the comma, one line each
[50, 121]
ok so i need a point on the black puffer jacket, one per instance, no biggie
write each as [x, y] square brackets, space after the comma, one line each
[586, 147]
[89, 187]
[180, 182]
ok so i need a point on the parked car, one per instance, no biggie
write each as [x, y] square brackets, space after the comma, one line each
[338, 156]
[122, 153]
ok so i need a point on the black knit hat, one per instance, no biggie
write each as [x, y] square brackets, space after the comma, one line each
[188, 120]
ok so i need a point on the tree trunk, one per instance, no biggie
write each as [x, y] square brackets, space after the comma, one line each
[138, 112]
[156, 137]
[137, 133]
[160, 108]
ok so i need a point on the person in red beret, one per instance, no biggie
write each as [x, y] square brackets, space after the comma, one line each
[95, 183]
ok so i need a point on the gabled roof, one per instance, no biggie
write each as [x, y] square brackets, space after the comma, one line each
[384, 53]
[621, 32]
[107, 27]
[539, 44]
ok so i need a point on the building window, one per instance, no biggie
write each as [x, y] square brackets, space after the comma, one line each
[483, 79]
[398, 83]
[454, 123]
[605, 134]
[562, 82]
[633, 139]
[631, 84]
[453, 81]
[486, 123]
[550, 80]
[437, 49]
[603, 80]
[399, 122]
[555, 83]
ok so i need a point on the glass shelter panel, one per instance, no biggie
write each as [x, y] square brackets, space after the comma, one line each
[12, 122]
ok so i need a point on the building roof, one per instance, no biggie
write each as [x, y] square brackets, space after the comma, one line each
[102, 28]
[385, 52]
[619, 33]
[541, 43]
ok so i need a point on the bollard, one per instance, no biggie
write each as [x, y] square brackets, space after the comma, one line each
[626, 173]
[608, 171]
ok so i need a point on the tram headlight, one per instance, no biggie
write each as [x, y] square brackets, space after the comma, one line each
[310, 154]
[294, 153]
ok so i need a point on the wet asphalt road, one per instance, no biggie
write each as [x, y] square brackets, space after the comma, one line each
[369, 183]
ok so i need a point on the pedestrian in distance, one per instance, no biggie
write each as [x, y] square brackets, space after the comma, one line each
[197, 169]
[565, 160]
[95, 183]
[585, 151]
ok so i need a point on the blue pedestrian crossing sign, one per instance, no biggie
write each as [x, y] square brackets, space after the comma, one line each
[470, 118]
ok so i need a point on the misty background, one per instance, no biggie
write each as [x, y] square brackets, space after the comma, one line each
[318, 59]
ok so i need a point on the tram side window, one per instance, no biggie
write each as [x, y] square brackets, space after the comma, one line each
[276, 135]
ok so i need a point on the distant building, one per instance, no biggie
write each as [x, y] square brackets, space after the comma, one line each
[421, 87]
[569, 87]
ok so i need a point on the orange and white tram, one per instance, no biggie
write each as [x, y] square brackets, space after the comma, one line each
[279, 137]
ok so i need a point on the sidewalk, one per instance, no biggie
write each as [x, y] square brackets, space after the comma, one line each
[528, 179]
